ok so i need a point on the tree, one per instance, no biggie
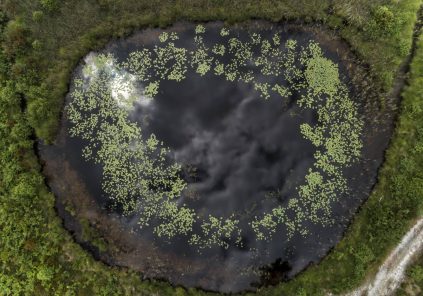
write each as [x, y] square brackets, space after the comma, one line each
[49, 5]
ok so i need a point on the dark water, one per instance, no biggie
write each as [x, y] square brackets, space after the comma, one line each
[242, 148]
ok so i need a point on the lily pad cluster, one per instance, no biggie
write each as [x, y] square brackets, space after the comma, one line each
[136, 172]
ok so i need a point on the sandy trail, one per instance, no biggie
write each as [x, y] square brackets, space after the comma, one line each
[391, 273]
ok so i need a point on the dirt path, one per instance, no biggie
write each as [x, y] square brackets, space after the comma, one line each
[391, 273]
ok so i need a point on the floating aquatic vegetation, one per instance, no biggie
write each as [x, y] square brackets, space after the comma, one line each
[137, 175]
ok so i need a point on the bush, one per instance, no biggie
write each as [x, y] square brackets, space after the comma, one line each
[383, 23]
[15, 36]
[37, 112]
[36, 44]
[416, 273]
[37, 15]
[49, 5]
[32, 236]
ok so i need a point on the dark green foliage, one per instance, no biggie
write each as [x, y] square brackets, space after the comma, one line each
[89, 234]
[66, 34]
[393, 206]
[416, 273]
[38, 257]
[15, 38]
[383, 22]
[413, 283]
[49, 5]
[37, 16]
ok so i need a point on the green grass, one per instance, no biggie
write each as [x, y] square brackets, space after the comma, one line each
[391, 209]
[413, 98]
[42, 41]
[72, 28]
[413, 282]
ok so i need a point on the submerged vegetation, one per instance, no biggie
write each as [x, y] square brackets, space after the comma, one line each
[41, 42]
[136, 173]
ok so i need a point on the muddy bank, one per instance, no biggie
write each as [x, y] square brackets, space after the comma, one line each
[233, 123]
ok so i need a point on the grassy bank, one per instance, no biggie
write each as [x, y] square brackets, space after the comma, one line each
[58, 34]
[42, 41]
[414, 96]
[413, 282]
[391, 209]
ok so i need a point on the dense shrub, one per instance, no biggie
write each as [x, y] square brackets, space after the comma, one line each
[383, 22]
[49, 5]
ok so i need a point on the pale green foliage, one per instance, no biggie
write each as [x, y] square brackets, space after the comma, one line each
[200, 59]
[224, 32]
[281, 90]
[200, 29]
[322, 75]
[173, 36]
[219, 69]
[219, 49]
[263, 89]
[133, 166]
[337, 137]
[255, 38]
[45, 274]
[151, 89]
[163, 36]
[314, 134]
[176, 220]
[170, 62]
[139, 62]
[266, 226]
[216, 228]
[276, 40]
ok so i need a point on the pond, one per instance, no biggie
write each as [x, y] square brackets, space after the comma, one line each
[217, 157]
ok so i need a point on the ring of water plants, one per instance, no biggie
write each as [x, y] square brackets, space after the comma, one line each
[140, 176]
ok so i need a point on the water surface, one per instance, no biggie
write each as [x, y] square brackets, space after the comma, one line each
[240, 154]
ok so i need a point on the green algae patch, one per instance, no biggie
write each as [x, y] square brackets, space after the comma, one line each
[138, 175]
